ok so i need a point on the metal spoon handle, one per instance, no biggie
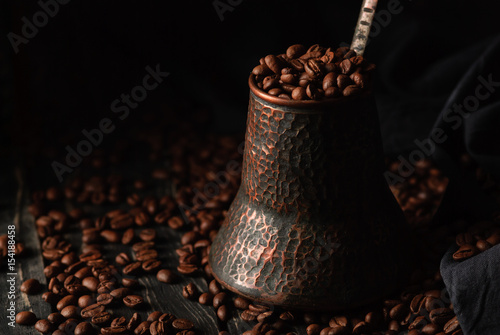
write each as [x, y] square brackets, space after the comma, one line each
[362, 31]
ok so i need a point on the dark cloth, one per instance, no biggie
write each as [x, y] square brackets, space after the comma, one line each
[473, 286]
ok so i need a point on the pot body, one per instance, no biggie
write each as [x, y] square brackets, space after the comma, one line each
[314, 225]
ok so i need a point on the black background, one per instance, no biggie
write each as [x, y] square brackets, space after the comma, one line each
[67, 75]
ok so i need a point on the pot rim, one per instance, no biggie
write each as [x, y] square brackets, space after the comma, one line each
[306, 104]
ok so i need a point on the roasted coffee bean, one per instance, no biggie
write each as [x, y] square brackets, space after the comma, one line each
[133, 301]
[122, 259]
[120, 293]
[105, 299]
[240, 303]
[430, 329]
[187, 269]
[84, 328]
[143, 328]
[141, 219]
[313, 92]
[220, 299]
[398, 312]
[130, 282]
[121, 221]
[274, 63]
[50, 298]
[464, 252]
[451, 326]
[417, 303]
[68, 326]
[140, 246]
[206, 298]
[418, 323]
[66, 301]
[146, 254]
[483, 245]
[275, 91]
[91, 310]
[147, 234]
[91, 283]
[182, 324]
[158, 328]
[133, 268]
[313, 329]
[101, 318]
[166, 276]
[128, 236]
[261, 70]
[85, 301]
[26, 318]
[30, 286]
[351, 90]
[151, 265]
[111, 236]
[223, 313]
[56, 318]
[70, 312]
[43, 326]
[314, 68]
[121, 321]
[295, 51]
[106, 286]
[134, 322]
[190, 291]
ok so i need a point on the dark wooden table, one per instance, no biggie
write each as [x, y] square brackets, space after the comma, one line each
[14, 201]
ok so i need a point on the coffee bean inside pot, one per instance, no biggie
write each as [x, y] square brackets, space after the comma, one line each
[315, 72]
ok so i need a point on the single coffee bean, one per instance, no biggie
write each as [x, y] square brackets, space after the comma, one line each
[418, 323]
[120, 293]
[187, 269]
[121, 321]
[26, 318]
[91, 310]
[144, 255]
[101, 318]
[134, 322]
[84, 328]
[133, 301]
[241, 303]
[148, 234]
[351, 90]
[166, 276]
[223, 313]
[430, 329]
[128, 236]
[339, 321]
[398, 312]
[142, 328]
[261, 70]
[299, 93]
[133, 268]
[66, 301]
[43, 326]
[190, 291]
[141, 219]
[451, 326]
[105, 299]
[122, 259]
[130, 282]
[30, 286]
[483, 245]
[70, 312]
[56, 318]
[220, 299]
[273, 63]
[206, 298]
[111, 236]
[121, 221]
[464, 252]
[313, 329]
[154, 316]
[417, 303]
[182, 324]
[151, 265]
[295, 51]
[91, 283]
[313, 92]
[85, 301]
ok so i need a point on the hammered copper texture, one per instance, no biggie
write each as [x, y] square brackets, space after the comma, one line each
[313, 225]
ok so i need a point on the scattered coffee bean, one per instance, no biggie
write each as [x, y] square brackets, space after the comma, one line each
[26, 318]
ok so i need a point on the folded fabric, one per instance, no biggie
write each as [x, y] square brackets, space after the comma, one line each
[474, 289]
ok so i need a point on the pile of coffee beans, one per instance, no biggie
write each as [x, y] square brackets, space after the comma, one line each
[313, 73]
[480, 237]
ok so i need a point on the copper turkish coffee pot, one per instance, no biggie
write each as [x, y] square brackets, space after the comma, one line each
[314, 224]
